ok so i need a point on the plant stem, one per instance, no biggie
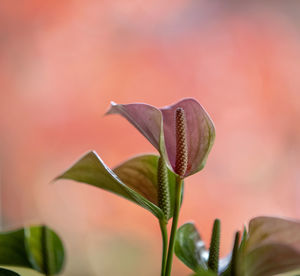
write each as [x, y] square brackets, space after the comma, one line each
[164, 234]
[174, 226]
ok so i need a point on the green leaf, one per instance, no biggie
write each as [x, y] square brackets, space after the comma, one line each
[12, 249]
[6, 272]
[190, 248]
[135, 179]
[35, 247]
[44, 249]
[140, 174]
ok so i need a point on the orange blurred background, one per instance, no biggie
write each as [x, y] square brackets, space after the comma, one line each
[62, 62]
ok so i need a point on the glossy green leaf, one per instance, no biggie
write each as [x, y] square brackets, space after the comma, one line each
[44, 249]
[135, 179]
[12, 249]
[272, 247]
[190, 248]
[35, 247]
[6, 272]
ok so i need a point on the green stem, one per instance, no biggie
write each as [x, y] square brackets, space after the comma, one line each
[174, 225]
[164, 234]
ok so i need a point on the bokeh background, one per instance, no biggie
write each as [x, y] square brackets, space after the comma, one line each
[62, 62]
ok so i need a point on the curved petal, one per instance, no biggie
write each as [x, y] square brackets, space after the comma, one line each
[158, 126]
[146, 118]
[269, 260]
[267, 230]
[200, 133]
[90, 169]
[272, 247]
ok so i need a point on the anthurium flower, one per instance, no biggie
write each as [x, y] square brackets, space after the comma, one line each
[271, 247]
[159, 126]
[136, 179]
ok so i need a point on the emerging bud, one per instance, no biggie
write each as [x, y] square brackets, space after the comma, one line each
[213, 260]
[163, 188]
[181, 143]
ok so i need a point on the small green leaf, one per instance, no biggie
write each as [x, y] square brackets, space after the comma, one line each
[6, 272]
[190, 248]
[44, 249]
[135, 179]
[35, 247]
[12, 249]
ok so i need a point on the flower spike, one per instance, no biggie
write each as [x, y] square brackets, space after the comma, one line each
[159, 127]
[163, 188]
[181, 144]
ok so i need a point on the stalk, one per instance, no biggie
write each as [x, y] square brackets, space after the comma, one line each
[181, 163]
[164, 235]
[179, 182]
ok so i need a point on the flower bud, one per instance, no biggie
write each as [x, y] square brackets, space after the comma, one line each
[163, 188]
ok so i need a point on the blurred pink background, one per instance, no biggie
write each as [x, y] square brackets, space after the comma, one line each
[62, 62]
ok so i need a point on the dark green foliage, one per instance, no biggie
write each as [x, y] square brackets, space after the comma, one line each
[36, 247]
[6, 272]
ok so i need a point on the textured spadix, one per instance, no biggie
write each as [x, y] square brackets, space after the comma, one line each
[159, 127]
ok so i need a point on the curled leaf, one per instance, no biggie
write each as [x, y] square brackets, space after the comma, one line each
[36, 247]
[12, 249]
[190, 248]
[44, 249]
[135, 179]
